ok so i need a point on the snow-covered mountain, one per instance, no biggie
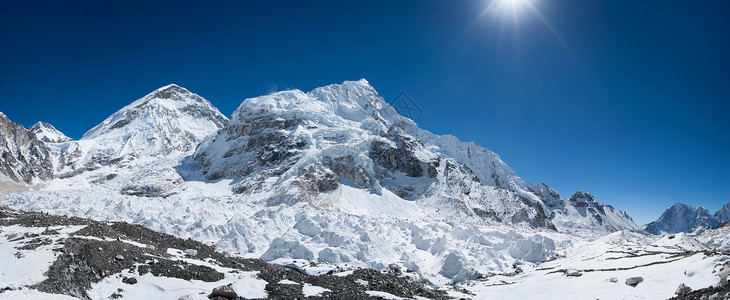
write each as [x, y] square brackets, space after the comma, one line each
[49, 134]
[684, 218]
[169, 122]
[24, 158]
[299, 145]
[723, 214]
[334, 175]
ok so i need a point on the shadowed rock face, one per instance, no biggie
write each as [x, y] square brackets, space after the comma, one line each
[23, 157]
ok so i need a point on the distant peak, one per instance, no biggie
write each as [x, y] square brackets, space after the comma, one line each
[48, 133]
[41, 124]
[680, 205]
[578, 194]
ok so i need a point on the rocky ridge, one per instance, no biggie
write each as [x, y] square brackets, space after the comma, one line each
[25, 158]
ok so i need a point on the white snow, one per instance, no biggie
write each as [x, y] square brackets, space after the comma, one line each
[660, 280]
[384, 295]
[26, 267]
[313, 290]
[149, 286]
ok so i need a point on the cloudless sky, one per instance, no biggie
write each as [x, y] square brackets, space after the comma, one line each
[628, 100]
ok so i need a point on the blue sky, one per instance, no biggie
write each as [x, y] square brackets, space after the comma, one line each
[628, 100]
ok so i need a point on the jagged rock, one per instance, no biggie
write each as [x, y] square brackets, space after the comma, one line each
[634, 281]
[225, 291]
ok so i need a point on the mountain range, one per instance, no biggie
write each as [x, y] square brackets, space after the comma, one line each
[684, 218]
[334, 174]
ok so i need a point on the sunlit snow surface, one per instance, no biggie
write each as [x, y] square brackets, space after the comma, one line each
[618, 256]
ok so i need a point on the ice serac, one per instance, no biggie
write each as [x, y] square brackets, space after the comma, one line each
[23, 158]
[303, 146]
[170, 120]
[683, 218]
[49, 134]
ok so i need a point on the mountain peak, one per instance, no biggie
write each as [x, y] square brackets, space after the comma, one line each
[171, 91]
[169, 119]
[47, 133]
[681, 217]
[679, 205]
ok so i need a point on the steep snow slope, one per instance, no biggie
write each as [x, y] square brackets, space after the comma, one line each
[23, 158]
[683, 218]
[49, 134]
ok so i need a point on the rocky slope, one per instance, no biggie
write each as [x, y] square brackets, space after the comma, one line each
[684, 218]
[25, 158]
[46, 256]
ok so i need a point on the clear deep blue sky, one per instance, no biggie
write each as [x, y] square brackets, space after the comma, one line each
[628, 100]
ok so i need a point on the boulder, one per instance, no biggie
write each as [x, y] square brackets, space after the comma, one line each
[573, 273]
[634, 281]
[613, 279]
[225, 291]
[129, 280]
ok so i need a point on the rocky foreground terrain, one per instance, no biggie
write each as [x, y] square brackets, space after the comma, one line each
[117, 260]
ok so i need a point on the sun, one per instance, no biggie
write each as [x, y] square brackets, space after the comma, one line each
[514, 5]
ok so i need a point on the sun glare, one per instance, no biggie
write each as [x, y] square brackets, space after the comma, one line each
[515, 3]
[512, 7]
